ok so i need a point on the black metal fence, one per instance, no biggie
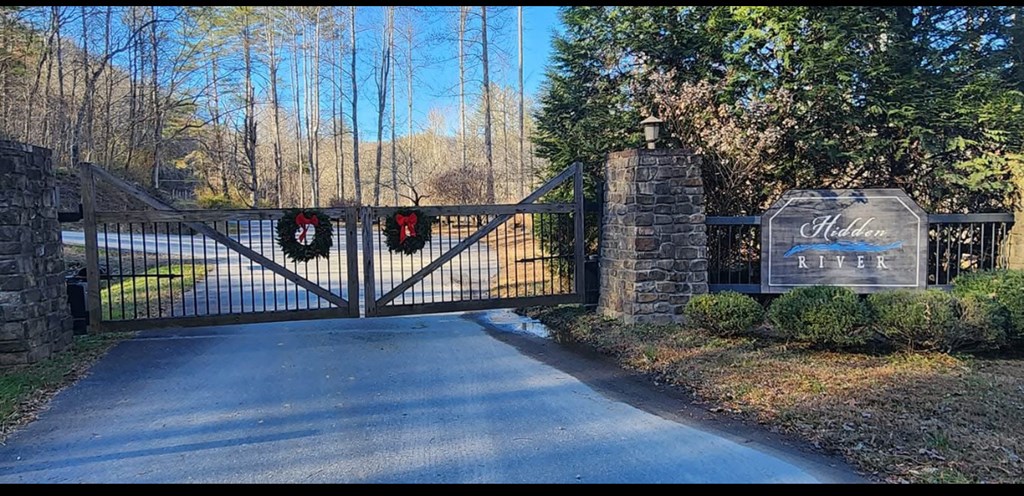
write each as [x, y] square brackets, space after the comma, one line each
[957, 243]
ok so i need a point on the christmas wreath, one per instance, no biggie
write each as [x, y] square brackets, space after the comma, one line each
[304, 234]
[408, 230]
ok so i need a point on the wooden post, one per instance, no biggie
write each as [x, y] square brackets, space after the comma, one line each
[352, 254]
[92, 255]
[578, 241]
[368, 282]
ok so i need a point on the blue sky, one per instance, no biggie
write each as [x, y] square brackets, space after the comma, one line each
[436, 81]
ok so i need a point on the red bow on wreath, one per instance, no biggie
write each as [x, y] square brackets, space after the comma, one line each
[406, 226]
[304, 222]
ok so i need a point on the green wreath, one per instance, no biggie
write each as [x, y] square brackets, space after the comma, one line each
[304, 234]
[416, 226]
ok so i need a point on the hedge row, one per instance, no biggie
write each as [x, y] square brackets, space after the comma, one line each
[984, 311]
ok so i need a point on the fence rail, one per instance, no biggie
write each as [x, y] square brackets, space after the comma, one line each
[957, 243]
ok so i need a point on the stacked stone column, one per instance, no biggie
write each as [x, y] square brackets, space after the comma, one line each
[654, 237]
[35, 320]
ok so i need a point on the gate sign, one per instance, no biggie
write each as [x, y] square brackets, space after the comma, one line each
[866, 239]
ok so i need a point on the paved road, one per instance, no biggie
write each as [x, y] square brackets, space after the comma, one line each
[400, 400]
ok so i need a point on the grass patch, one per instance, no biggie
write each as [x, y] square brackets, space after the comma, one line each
[129, 298]
[24, 390]
[910, 416]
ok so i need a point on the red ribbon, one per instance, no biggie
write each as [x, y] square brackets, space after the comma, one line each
[304, 222]
[406, 226]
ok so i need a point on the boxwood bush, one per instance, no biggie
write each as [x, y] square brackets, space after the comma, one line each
[726, 313]
[914, 320]
[827, 316]
[1004, 286]
[982, 324]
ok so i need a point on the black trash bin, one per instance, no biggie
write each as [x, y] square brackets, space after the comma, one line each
[76, 300]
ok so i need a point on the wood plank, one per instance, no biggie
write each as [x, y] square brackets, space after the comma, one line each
[469, 305]
[92, 254]
[219, 237]
[336, 215]
[511, 209]
[473, 238]
[352, 256]
[579, 274]
[368, 275]
[234, 318]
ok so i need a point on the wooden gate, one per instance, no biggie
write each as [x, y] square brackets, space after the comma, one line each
[166, 267]
[481, 256]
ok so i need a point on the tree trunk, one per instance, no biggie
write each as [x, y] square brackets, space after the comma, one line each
[463, 12]
[522, 115]
[275, 104]
[298, 114]
[355, 112]
[249, 143]
[218, 141]
[409, 146]
[157, 117]
[394, 159]
[314, 115]
[487, 106]
[382, 97]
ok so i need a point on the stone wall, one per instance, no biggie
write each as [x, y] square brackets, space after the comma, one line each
[653, 237]
[34, 317]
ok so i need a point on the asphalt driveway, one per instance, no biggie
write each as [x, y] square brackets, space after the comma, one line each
[431, 399]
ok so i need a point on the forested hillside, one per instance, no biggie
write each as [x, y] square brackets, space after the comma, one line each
[243, 106]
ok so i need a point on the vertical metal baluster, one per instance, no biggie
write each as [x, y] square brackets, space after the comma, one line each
[515, 256]
[227, 267]
[206, 266]
[181, 264]
[316, 268]
[544, 269]
[263, 271]
[940, 253]
[981, 245]
[120, 272]
[145, 268]
[252, 280]
[135, 301]
[949, 253]
[433, 288]
[156, 250]
[170, 272]
[195, 281]
[110, 277]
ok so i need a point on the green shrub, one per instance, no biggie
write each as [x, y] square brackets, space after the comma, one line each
[725, 313]
[822, 315]
[982, 324]
[1005, 286]
[914, 320]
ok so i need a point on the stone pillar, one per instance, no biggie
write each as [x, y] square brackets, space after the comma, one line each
[653, 236]
[35, 320]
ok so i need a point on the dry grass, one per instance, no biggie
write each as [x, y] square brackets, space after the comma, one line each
[918, 417]
[523, 267]
[26, 390]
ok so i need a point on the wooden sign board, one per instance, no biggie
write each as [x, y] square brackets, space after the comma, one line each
[866, 239]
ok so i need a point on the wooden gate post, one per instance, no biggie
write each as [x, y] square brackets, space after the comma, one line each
[352, 255]
[92, 255]
[366, 214]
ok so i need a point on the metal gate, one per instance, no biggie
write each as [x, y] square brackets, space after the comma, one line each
[481, 256]
[166, 267]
